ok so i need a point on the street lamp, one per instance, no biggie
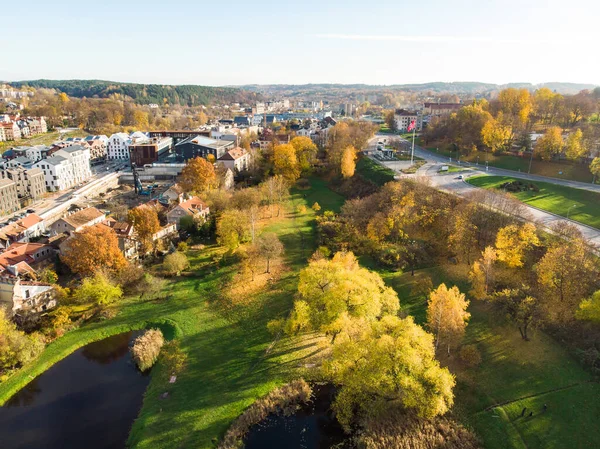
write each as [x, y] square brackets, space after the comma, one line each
[569, 211]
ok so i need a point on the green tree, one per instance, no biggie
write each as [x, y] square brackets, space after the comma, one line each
[390, 120]
[16, 347]
[175, 263]
[233, 228]
[589, 309]
[98, 290]
[389, 365]
[522, 308]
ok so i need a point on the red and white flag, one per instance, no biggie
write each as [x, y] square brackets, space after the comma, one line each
[411, 126]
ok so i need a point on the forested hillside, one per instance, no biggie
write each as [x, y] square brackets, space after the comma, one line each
[185, 95]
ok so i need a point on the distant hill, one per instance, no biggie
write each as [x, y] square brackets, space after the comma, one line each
[185, 95]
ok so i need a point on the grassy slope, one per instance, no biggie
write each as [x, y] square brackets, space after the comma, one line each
[513, 369]
[228, 362]
[553, 198]
[374, 172]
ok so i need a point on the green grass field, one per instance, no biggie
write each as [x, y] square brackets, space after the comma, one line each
[513, 369]
[230, 358]
[374, 172]
[552, 198]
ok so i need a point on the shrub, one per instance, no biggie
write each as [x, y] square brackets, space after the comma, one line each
[182, 247]
[175, 263]
[146, 348]
[172, 358]
[470, 355]
[282, 400]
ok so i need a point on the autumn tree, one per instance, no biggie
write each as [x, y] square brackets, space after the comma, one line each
[565, 275]
[595, 168]
[482, 273]
[285, 162]
[175, 263]
[233, 228]
[274, 192]
[92, 249]
[390, 120]
[348, 164]
[447, 315]
[550, 145]
[16, 347]
[522, 308]
[336, 291]
[316, 207]
[495, 135]
[390, 364]
[249, 200]
[575, 147]
[98, 290]
[516, 105]
[198, 175]
[463, 232]
[306, 152]
[589, 309]
[513, 241]
[145, 223]
[269, 247]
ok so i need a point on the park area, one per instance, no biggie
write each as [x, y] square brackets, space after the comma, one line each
[578, 204]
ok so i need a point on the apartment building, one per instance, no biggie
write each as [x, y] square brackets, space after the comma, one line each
[404, 119]
[9, 199]
[117, 147]
[58, 173]
[30, 183]
[79, 158]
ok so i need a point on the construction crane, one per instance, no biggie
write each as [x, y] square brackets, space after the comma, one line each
[139, 188]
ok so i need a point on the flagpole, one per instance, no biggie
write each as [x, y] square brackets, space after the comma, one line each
[412, 153]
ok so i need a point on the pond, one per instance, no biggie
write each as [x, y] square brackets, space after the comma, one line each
[88, 400]
[312, 427]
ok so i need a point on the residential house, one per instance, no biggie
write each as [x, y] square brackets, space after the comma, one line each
[194, 207]
[237, 159]
[23, 230]
[22, 297]
[126, 237]
[77, 221]
[118, 146]
[9, 199]
[11, 131]
[21, 257]
[19, 161]
[37, 125]
[174, 194]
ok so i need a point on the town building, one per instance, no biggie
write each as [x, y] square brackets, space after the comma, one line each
[31, 183]
[22, 297]
[194, 207]
[200, 146]
[9, 198]
[117, 147]
[125, 232]
[149, 151]
[236, 159]
[58, 173]
[20, 258]
[11, 131]
[77, 221]
[440, 109]
[23, 230]
[404, 119]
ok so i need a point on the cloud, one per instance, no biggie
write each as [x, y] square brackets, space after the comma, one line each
[429, 39]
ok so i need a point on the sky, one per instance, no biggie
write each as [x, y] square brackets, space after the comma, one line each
[311, 41]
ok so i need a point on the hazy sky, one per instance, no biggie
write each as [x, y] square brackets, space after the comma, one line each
[308, 41]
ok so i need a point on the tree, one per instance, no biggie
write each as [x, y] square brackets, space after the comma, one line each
[447, 315]
[516, 105]
[146, 348]
[390, 121]
[550, 144]
[306, 151]
[389, 365]
[338, 290]
[565, 275]
[145, 223]
[589, 309]
[316, 207]
[285, 163]
[513, 241]
[274, 191]
[522, 308]
[202, 118]
[248, 200]
[482, 273]
[348, 164]
[233, 228]
[575, 147]
[198, 175]
[16, 347]
[175, 263]
[463, 232]
[92, 249]
[269, 247]
[595, 167]
[495, 135]
[99, 290]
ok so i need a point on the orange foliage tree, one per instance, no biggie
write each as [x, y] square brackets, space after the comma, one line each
[198, 175]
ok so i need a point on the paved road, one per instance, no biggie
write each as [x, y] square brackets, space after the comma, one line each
[450, 182]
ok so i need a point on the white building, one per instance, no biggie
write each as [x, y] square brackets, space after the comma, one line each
[404, 118]
[79, 157]
[58, 173]
[118, 146]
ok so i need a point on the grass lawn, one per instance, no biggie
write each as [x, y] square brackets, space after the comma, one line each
[232, 359]
[374, 172]
[512, 369]
[552, 198]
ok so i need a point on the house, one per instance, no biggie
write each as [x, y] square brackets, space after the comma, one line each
[404, 118]
[19, 161]
[25, 229]
[194, 207]
[77, 221]
[200, 146]
[11, 131]
[117, 147]
[237, 159]
[21, 257]
[20, 296]
[9, 199]
[242, 120]
[126, 237]
[174, 194]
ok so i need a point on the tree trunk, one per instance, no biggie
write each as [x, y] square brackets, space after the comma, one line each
[268, 265]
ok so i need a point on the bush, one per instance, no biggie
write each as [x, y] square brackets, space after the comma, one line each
[284, 400]
[146, 348]
[16, 347]
[470, 355]
[182, 247]
[175, 263]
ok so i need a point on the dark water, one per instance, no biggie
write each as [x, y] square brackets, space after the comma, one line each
[312, 427]
[88, 400]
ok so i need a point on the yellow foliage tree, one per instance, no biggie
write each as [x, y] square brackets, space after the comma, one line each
[145, 223]
[513, 241]
[285, 162]
[495, 135]
[550, 144]
[482, 273]
[447, 315]
[575, 147]
[198, 175]
[348, 164]
[306, 151]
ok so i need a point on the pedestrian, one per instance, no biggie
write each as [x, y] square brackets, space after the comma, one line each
[530, 414]
[545, 407]
[523, 412]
